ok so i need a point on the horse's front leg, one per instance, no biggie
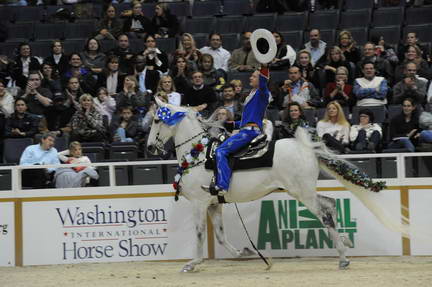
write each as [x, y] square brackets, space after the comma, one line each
[215, 213]
[200, 215]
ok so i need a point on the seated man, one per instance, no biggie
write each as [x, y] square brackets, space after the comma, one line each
[38, 98]
[39, 154]
[370, 90]
[410, 87]
[299, 90]
[21, 124]
[251, 126]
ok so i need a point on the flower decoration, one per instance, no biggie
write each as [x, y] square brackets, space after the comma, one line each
[188, 161]
[353, 174]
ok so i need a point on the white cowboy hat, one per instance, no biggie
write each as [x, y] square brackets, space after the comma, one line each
[263, 45]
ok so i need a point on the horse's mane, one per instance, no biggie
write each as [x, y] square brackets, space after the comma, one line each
[212, 125]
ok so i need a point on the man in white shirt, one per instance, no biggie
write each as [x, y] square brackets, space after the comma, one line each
[370, 90]
[219, 54]
[316, 47]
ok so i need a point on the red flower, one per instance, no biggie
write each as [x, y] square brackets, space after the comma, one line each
[199, 147]
[185, 164]
[175, 186]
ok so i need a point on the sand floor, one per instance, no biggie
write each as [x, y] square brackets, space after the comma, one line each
[365, 272]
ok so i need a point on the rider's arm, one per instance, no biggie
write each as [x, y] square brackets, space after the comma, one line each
[264, 78]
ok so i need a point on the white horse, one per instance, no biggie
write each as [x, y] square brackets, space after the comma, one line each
[295, 169]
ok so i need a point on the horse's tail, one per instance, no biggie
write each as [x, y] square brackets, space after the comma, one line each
[374, 201]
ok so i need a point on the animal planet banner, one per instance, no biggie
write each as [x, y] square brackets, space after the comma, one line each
[107, 230]
[7, 234]
[421, 221]
[282, 227]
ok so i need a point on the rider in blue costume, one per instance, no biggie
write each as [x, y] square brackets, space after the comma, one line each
[255, 106]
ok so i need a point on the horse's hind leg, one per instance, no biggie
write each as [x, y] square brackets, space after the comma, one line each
[215, 213]
[327, 214]
[200, 215]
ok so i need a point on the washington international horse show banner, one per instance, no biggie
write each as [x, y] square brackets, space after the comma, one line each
[7, 234]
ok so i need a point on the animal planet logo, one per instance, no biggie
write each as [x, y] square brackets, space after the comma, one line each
[104, 232]
[281, 224]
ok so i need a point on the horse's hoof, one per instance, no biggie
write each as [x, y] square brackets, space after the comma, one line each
[247, 252]
[343, 265]
[187, 268]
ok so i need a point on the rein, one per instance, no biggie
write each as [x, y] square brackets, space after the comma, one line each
[190, 139]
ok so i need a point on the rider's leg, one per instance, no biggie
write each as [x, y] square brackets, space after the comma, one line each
[231, 145]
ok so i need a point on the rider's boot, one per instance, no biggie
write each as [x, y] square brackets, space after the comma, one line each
[214, 189]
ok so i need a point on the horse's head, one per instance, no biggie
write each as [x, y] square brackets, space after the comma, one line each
[164, 125]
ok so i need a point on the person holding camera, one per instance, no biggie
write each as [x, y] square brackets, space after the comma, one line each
[410, 87]
[154, 57]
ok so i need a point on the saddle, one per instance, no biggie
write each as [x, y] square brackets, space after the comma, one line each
[259, 153]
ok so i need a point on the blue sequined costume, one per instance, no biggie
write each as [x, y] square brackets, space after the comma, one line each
[253, 112]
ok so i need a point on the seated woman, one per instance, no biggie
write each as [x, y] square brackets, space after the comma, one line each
[136, 24]
[349, 47]
[165, 24]
[104, 103]
[51, 80]
[58, 59]
[109, 27]
[285, 54]
[367, 134]
[413, 54]
[335, 59]
[132, 96]
[405, 126]
[111, 78]
[292, 117]
[212, 77]
[187, 48]
[308, 72]
[87, 123]
[333, 129]
[180, 74]
[154, 57]
[78, 70]
[125, 127]
[340, 90]
[75, 176]
[166, 90]
[92, 56]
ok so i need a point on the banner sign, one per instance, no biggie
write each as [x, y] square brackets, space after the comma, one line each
[420, 202]
[107, 230]
[284, 227]
[7, 234]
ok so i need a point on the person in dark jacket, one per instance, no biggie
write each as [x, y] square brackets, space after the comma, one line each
[125, 54]
[109, 26]
[111, 78]
[200, 96]
[166, 25]
[24, 63]
[136, 24]
[154, 57]
[292, 118]
[38, 98]
[125, 127]
[21, 124]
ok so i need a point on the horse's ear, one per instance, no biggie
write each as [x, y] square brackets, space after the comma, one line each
[159, 102]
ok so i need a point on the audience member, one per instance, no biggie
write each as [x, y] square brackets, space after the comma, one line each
[200, 96]
[59, 114]
[230, 102]
[413, 54]
[307, 71]
[155, 58]
[370, 90]
[335, 59]
[76, 69]
[167, 91]
[292, 118]
[136, 25]
[39, 154]
[125, 54]
[243, 59]
[109, 27]
[6, 100]
[214, 78]
[238, 90]
[349, 47]
[367, 134]
[383, 50]
[125, 127]
[38, 98]
[58, 59]
[333, 129]
[410, 86]
[87, 123]
[340, 90]
[111, 78]
[24, 63]
[299, 90]
[21, 124]
[105, 103]
[188, 49]
[425, 123]
[132, 96]
[412, 40]
[316, 47]
[404, 128]
[50, 78]
[285, 54]
[180, 73]
[148, 78]
[92, 57]
[76, 176]
[166, 25]
[383, 68]
[219, 54]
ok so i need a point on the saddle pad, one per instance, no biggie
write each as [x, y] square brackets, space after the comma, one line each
[237, 164]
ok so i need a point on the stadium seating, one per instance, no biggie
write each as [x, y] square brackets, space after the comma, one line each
[230, 24]
[13, 148]
[324, 20]
[291, 22]
[389, 16]
[391, 34]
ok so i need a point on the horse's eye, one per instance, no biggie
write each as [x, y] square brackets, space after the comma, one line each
[156, 121]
